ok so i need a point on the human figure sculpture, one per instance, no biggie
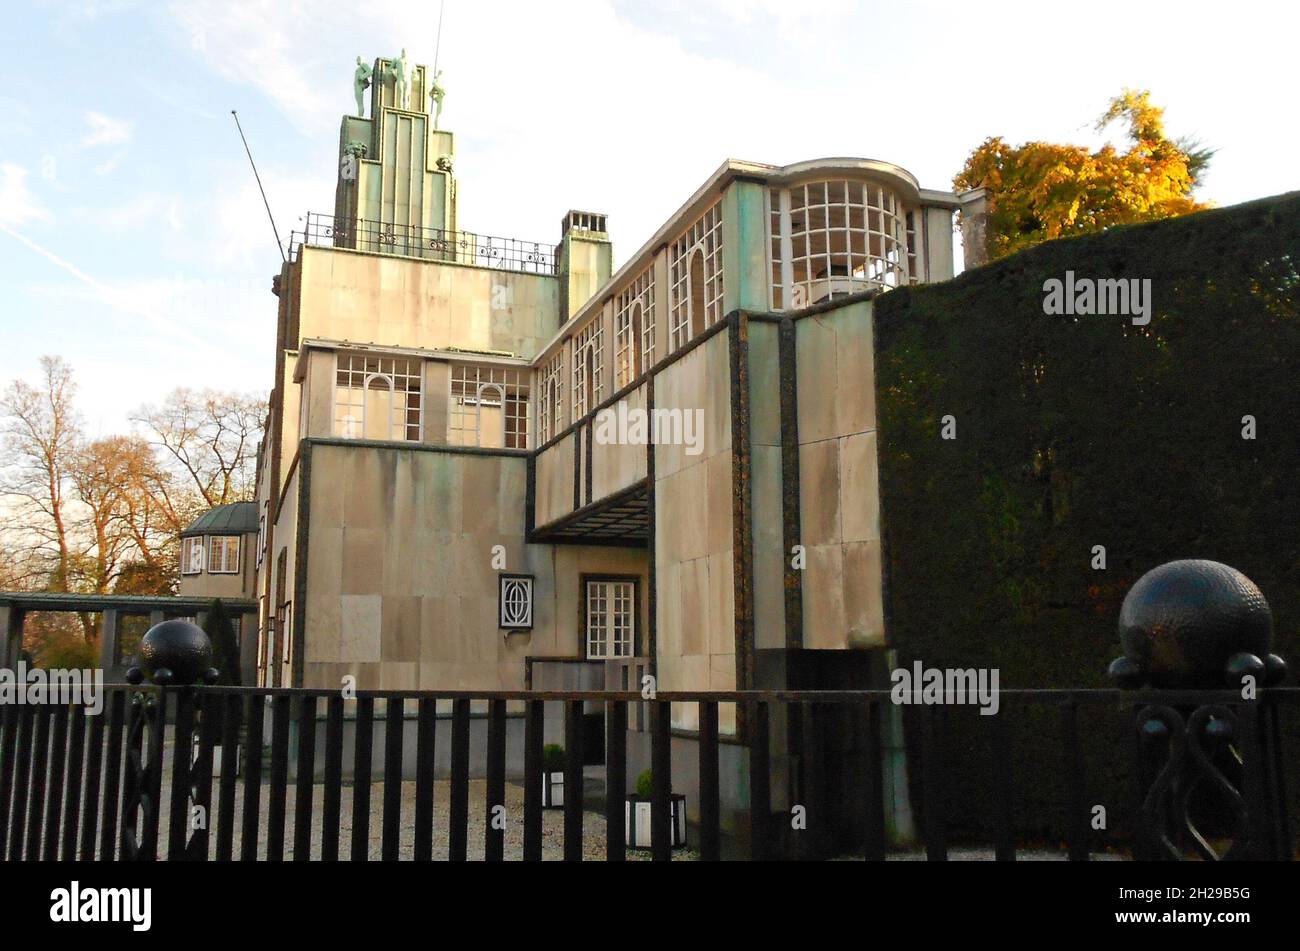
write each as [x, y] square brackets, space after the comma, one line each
[436, 92]
[360, 83]
[402, 81]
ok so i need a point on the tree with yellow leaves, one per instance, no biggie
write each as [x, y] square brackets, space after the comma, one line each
[1039, 191]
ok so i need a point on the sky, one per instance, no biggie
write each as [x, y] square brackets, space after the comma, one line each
[133, 241]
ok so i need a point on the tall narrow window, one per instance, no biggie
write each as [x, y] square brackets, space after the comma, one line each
[489, 407]
[611, 619]
[697, 293]
[192, 552]
[378, 397]
[695, 299]
[278, 632]
[634, 329]
[588, 368]
[550, 410]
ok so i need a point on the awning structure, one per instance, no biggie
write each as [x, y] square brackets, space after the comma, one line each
[620, 520]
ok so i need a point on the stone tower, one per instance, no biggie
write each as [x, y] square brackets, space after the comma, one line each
[396, 192]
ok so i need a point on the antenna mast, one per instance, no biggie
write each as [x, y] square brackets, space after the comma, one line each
[274, 229]
[442, 8]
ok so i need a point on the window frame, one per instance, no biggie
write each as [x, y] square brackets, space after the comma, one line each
[510, 386]
[504, 580]
[219, 566]
[704, 235]
[187, 555]
[405, 402]
[585, 581]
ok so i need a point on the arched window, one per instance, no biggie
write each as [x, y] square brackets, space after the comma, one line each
[378, 397]
[491, 415]
[695, 268]
[550, 411]
[588, 368]
[697, 293]
[377, 410]
[634, 329]
[489, 407]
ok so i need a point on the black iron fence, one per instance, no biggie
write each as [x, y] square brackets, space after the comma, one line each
[213, 773]
[434, 244]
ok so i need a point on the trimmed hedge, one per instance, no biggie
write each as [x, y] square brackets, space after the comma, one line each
[1074, 432]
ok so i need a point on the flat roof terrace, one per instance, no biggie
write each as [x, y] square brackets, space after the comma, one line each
[426, 244]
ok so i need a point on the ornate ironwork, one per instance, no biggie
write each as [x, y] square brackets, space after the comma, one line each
[143, 779]
[1195, 751]
[436, 244]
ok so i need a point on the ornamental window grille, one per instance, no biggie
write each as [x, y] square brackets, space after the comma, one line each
[378, 397]
[515, 602]
[695, 275]
[488, 407]
[834, 238]
[634, 329]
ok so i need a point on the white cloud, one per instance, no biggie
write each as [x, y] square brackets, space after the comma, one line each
[17, 203]
[110, 165]
[105, 130]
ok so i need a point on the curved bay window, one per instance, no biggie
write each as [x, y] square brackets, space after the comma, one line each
[378, 397]
[489, 407]
[835, 238]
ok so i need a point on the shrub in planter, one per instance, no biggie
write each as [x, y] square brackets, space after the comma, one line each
[637, 815]
[553, 776]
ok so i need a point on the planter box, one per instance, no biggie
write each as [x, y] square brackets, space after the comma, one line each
[636, 822]
[218, 759]
[553, 790]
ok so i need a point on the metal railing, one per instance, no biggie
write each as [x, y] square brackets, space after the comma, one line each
[430, 244]
[126, 783]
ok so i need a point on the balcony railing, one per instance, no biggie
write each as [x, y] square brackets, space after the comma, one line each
[430, 244]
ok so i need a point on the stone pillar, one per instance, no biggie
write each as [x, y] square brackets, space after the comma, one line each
[744, 247]
[974, 226]
[108, 639]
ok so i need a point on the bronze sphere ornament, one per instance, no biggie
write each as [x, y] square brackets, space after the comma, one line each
[1195, 628]
[174, 654]
[1196, 625]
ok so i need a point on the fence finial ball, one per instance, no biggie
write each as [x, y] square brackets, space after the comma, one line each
[176, 654]
[1195, 624]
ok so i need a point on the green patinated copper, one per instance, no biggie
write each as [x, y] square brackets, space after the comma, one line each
[360, 83]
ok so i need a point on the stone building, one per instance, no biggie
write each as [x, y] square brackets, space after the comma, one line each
[455, 491]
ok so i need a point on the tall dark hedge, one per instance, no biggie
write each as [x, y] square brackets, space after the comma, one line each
[1074, 432]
